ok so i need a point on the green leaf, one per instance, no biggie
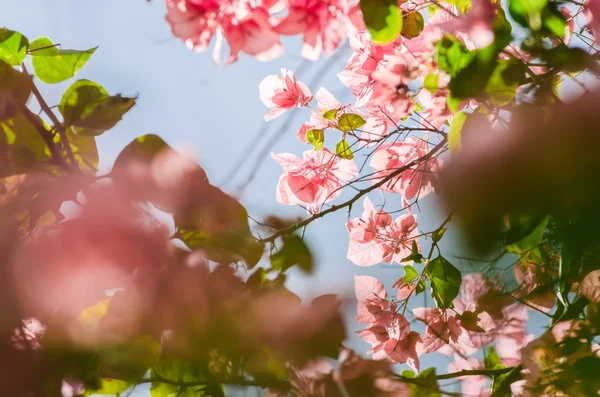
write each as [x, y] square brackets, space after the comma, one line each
[342, 149]
[13, 47]
[409, 274]
[451, 55]
[498, 90]
[330, 114]
[383, 19]
[84, 150]
[316, 138]
[525, 232]
[425, 385]
[421, 287]
[438, 234]
[412, 24]
[415, 255]
[87, 106]
[141, 149]
[431, 83]
[458, 122]
[293, 252]
[445, 281]
[554, 22]
[52, 65]
[407, 373]
[15, 89]
[350, 122]
[528, 12]
[22, 148]
[110, 386]
[491, 360]
[453, 102]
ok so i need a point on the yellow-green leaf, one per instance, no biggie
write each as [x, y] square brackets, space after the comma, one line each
[13, 47]
[53, 65]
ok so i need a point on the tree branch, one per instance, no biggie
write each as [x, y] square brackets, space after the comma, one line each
[55, 122]
[360, 194]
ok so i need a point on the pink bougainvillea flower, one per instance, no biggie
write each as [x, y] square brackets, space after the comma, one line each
[375, 238]
[404, 346]
[280, 93]
[371, 297]
[313, 180]
[592, 15]
[391, 85]
[252, 34]
[193, 21]
[418, 180]
[318, 21]
[325, 102]
[436, 107]
[509, 349]
[442, 329]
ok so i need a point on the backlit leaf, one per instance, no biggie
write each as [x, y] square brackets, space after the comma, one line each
[53, 65]
[13, 47]
[383, 19]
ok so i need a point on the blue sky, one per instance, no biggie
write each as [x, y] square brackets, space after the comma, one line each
[187, 100]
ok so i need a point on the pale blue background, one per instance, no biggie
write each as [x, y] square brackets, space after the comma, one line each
[187, 100]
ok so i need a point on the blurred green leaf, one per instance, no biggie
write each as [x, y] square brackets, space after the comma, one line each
[293, 252]
[53, 65]
[84, 150]
[430, 83]
[15, 88]
[22, 148]
[383, 19]
[451, 55]
[13, 47]
[525, 232]
[412, 24]
[141, 149]
[458, 122]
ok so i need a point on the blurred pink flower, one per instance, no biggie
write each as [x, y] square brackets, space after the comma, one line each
[318, 21]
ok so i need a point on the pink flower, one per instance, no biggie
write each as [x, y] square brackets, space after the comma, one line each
[509, 349]
[375, 238]
[436, 107]
[372, 299]
[417, 180]
[442, 328]
[72, 387]
[252, 34]
[391, 85]
[314, 180]
[317, 21]
[403, 347]
[592, 15]
[193, 21]
[477, 24]
[325, 102]
[279, 93]
[28, 335]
